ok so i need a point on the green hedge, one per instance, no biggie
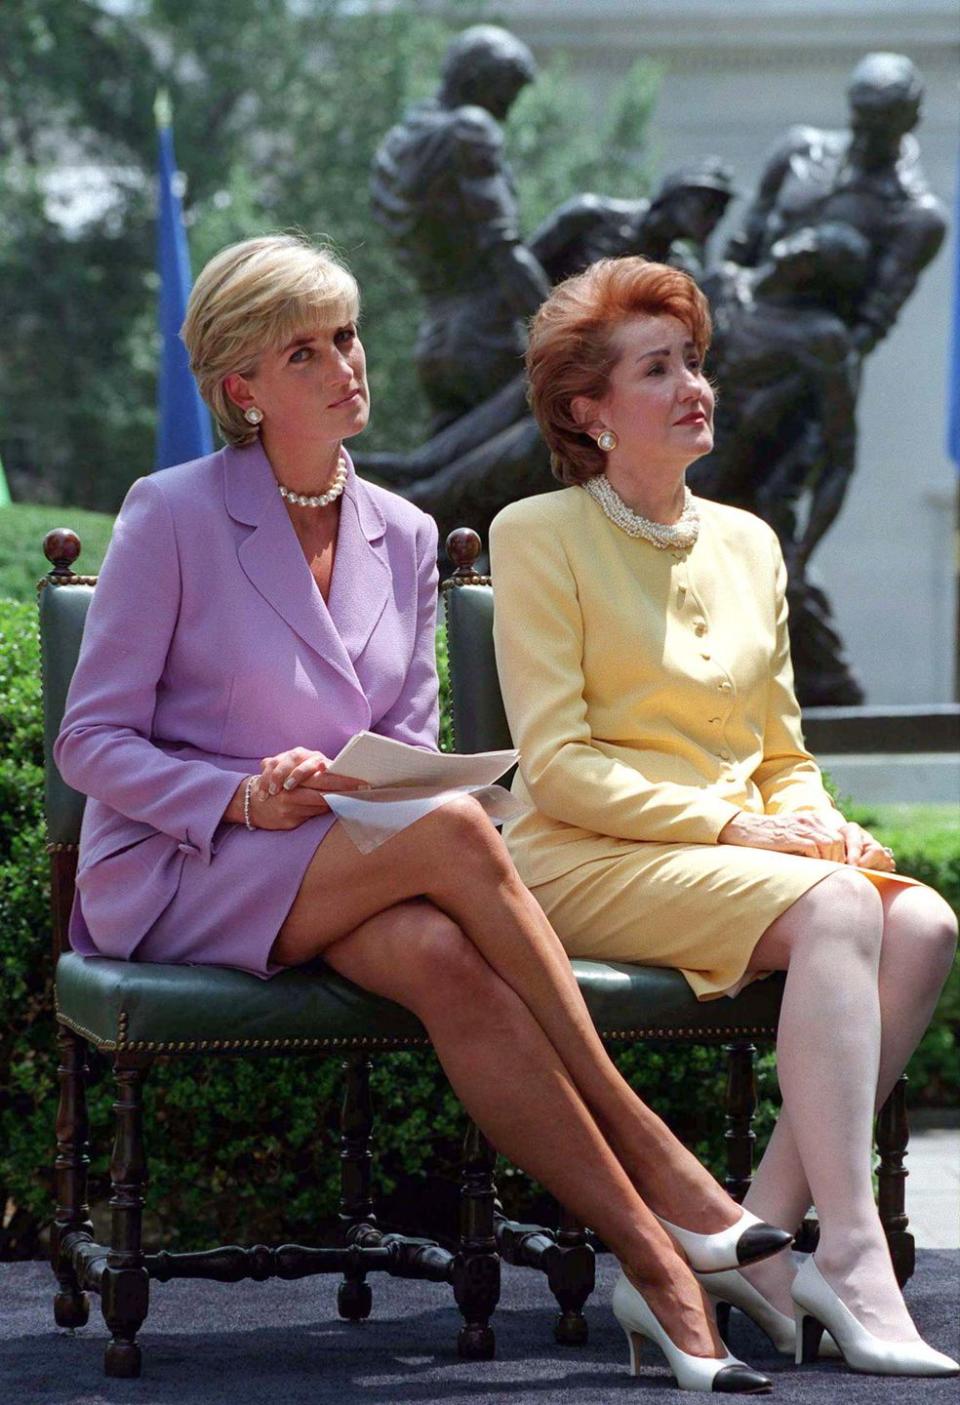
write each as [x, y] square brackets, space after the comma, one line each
[248, 1149]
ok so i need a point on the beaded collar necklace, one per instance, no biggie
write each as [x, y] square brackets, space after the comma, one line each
[681, 534]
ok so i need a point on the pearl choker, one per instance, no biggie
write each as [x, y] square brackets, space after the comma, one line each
[319, 499]
[681, 534]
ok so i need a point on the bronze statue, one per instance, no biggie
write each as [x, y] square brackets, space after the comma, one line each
[785, 428]
[673, 227]
[493, 455]
[831, 248]
[841, 227]
[868, 177]
[784, 364]
[443, 191]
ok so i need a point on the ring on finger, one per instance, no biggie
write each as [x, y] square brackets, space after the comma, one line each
[888, 860]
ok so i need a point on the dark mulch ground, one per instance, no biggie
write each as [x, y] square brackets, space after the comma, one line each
[281, 1344]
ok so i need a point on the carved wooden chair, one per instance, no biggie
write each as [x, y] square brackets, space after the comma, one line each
[137, 1012]
[637, 1003]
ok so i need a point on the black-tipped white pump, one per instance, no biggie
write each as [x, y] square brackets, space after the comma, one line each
[724, 1374]
[746, 1241]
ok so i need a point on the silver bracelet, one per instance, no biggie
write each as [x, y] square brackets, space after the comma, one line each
[248, 785]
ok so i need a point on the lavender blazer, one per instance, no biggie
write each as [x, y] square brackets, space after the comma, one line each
[208, 646]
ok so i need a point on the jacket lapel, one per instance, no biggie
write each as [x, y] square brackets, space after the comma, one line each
[272, 559]
[360, 587]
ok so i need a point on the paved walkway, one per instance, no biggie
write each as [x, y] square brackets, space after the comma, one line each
[933, 1185]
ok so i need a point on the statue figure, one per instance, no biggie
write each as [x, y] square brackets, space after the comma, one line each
[785, 428]
[673, 227]
[850, 212]
[831, 248]
[868, 177]
[443, 191]
[494, 455]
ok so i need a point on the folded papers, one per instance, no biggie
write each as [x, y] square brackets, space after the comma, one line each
[381, 761]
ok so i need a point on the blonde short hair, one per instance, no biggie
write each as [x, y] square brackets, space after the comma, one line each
[254, 297]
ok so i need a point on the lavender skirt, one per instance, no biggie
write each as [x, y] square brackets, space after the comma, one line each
[225, 913]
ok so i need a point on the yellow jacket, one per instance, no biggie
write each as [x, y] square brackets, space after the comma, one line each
[649, 692]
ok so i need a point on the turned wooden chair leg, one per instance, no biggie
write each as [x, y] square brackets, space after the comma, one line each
[572, 1280]
[741, 1105]
[124, 1287]
[893, 1136]
[476, 1268]
[354, 1296]
[739, 1136]
[71, 1306]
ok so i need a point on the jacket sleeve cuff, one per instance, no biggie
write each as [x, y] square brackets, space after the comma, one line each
[202, 836]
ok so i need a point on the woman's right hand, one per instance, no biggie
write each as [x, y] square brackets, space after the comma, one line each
[287, 809]
[814, 834]
[290, 788]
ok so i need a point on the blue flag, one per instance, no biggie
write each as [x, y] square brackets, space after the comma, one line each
[183, 424]
[953, 391]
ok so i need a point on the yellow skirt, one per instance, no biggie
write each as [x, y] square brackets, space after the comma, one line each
[701, 908]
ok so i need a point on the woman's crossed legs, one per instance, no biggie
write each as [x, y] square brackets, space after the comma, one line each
[437, 919]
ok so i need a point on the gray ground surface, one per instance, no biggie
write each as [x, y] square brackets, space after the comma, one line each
[209, 1344]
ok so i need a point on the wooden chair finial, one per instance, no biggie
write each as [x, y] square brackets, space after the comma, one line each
[463, 548]
[61, 547]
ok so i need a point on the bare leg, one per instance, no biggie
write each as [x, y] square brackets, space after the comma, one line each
[919, 942]
[455, 858]
[513, 1084]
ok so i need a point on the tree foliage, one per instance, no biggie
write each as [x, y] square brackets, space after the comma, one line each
[278, 107]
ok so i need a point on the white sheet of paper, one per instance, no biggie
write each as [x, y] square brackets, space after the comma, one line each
[370, 817]
[384, 762]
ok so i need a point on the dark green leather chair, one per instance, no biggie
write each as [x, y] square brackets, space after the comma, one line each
[137, 1012]
[639, 1003]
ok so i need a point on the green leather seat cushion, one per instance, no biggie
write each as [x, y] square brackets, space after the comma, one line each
[139, 1006]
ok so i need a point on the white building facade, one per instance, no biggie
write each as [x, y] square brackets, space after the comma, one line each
[736, 75]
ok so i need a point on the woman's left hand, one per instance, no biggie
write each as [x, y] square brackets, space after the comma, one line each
[863, 851]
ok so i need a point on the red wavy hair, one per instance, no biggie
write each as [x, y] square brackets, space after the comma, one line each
[573, 346]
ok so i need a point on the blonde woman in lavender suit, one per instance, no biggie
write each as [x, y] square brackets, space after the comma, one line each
[287, 607]
[674, 816]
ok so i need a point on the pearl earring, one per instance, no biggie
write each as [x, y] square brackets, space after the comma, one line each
[607, 441]
[253, 415]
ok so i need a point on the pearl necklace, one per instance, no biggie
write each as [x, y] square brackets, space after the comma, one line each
[319, 499]
[681, 534]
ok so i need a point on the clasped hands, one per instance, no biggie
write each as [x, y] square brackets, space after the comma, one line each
[816, 834]
[291, 788]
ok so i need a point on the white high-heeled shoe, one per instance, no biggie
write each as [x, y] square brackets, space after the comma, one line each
[719, 1373]
[730, 1288]
[818, 1307]
[746, 1241]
